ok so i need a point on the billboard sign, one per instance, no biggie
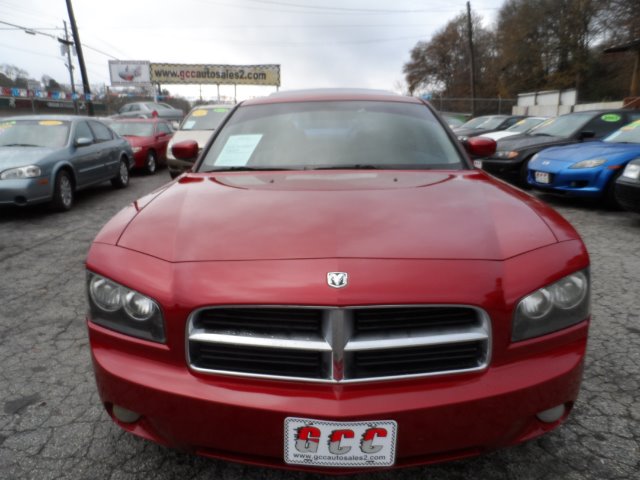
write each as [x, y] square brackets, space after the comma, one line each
[129, 72]
[168, 73]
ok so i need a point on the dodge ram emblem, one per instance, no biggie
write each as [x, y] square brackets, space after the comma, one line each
[337, 279]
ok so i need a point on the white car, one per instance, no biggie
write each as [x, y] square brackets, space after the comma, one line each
[198, 125]
[522, 126]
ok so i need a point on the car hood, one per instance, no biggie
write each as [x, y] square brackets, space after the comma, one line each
[11, 157]
[200, 136]
[346, 214]
[472, 132]
[591, 150]
[523, 141]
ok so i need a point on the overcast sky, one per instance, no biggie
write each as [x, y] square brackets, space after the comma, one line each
[335, 43]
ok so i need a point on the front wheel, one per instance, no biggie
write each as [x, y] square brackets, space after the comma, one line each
[151, 165]
[63, 192]
[122, 179]
[609, 197]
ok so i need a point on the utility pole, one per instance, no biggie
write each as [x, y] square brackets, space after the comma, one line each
[67, 46]
[83, 69]
[473, 61]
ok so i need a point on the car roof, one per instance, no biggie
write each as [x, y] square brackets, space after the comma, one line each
[139, 120]
[63, 118]
[332, 94]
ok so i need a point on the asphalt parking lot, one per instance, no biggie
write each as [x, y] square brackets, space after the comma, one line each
[52, 425]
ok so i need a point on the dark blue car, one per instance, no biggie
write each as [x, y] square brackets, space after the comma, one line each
[586, 169]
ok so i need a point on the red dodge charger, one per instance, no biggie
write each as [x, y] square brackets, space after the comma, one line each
[337, 289]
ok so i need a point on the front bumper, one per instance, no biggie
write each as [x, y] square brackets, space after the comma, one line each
[627, 194]
[588, 183]
[26, 191]
[502, 167]
[438, 419]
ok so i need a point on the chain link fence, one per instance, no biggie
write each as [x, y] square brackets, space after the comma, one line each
[478, 106]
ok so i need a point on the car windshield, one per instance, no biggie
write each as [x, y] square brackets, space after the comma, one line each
[491, 123]
[333, 135]
[34, 133]
[627, 134]
[475, 122]
[525, 124]
[205, 118]
[563, 126]
[133, 129]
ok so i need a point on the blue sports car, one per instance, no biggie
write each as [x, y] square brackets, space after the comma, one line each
[586, 169]
[47, 158]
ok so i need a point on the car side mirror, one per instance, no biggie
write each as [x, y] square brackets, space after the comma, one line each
[83, 142]
[187, 150]
[586, 135]
[480, 146]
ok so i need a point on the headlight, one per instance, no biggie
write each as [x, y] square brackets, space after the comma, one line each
[632, 170]
[124, 310]
[596, 162]
[136, 149]
[506, 154]
[30, 171]
[554, 307]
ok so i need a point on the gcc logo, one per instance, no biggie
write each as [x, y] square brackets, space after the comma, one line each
[340, 441]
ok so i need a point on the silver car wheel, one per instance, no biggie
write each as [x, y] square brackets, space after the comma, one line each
[124, 173]
[66, 191]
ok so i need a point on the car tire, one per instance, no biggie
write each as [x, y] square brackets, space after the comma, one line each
[609, 196]
[524, 174]
[63, 193]
[151, 164]
[122, 179]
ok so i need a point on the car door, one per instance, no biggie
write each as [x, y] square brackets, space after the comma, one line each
[86, 158]
[109, 150]
[163, 135]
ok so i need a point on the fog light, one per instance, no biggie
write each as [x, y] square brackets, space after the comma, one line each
[552, 415]
[124, 415]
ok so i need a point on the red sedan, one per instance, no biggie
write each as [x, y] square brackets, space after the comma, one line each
[148, 138]
[337, 290]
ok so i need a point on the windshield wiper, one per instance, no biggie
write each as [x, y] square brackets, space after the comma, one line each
[355, 166]
[19, 145]
[245, 169]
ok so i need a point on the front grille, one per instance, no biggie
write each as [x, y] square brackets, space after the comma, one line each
[339, 344]
[379, 320]
[257, 360]
[272, 321]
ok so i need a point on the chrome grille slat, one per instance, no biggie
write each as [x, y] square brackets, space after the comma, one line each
[331, 344]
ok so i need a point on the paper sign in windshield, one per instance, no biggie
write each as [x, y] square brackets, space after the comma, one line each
[238, 150]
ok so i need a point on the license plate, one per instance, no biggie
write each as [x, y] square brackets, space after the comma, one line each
[340, 444]
[542, 177]
[477, 164]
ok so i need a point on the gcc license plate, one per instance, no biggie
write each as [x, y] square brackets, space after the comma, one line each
[340, 444]
[542, 177]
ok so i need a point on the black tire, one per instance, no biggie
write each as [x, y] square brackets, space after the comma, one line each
[151, 164]
[609, 196]
[63, 192]
[122, 179]
[524, 173]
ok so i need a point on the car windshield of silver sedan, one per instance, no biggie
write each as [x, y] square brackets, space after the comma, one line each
[628, 134]
[133, 129]
[332, 135]
[34, 133]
